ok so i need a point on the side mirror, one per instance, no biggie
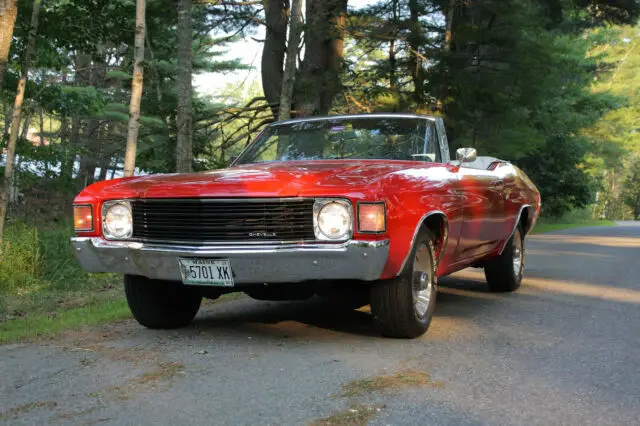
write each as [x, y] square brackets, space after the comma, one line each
[232, 160]
[466, 155]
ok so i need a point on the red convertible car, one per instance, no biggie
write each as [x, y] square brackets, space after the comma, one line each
[337, 204]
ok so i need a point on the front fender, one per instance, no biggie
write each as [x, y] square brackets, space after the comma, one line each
[403, 234]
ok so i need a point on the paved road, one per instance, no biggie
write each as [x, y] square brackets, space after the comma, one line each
[563, 350]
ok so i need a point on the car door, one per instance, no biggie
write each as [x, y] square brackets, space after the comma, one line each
[481, 192]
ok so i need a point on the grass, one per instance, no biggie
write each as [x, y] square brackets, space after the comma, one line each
[355, 415]
[574, 219]
[401, 380]
[162, 375]
[33, 326]
[541, 228]
[43, 290]
[5, 415]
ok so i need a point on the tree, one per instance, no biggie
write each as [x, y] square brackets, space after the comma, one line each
[318, 81]
[184, 147]
[614, 138]
[288, 79]
[273, 52]
[631, 189]
[136, 91]
[15, 124]
[8, 13]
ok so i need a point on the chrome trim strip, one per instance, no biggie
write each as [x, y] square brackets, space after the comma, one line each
[415, 235]
[132, 201]
[216, 249]
[515, 225]
[255, 244]
[351, 117]
[223, 200]
[441, 131]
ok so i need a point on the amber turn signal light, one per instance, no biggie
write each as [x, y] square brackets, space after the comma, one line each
[83, 218]
[371, 217]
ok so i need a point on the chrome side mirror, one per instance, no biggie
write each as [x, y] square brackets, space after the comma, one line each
[466, 155]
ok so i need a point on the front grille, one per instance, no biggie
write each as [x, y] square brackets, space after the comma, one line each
[204, 221]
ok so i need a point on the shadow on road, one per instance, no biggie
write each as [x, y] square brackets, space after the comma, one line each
[456, 299]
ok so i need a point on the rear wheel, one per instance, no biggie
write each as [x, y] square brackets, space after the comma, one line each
[403, 307]
[504, 273]
[161, 304]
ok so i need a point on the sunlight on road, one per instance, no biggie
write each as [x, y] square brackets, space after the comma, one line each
[583, 239]
[567, 253]
[557, 286]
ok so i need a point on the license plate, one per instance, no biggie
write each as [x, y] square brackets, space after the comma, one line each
[209, 272]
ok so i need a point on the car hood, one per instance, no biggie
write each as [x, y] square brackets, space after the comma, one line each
[288, 179]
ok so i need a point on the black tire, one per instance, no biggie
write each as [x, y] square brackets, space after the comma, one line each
[161, 304]
[503, 273]
[393, 302]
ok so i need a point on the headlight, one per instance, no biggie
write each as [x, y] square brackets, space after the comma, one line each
[117, 223]
[332, 219]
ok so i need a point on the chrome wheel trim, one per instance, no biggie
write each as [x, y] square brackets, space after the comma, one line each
[518, 253]
[422, 281]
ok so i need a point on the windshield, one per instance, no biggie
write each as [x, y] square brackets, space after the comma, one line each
[345, 138]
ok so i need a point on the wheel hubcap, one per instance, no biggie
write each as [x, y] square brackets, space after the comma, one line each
[518, 253]
[422, 281]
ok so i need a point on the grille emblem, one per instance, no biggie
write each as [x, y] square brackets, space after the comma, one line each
[262, 234]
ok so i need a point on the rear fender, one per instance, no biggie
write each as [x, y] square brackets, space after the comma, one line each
[523, 208]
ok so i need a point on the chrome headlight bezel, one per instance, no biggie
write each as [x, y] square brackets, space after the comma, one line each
[106, 208]
[318, 207]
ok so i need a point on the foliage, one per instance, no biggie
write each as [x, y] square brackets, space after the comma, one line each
[38, 272]
[551, 85]
[631, 188]
[614, 138]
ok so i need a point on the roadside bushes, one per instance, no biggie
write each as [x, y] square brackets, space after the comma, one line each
[38, 272]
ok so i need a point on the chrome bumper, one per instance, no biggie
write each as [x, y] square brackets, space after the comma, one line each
[354, 260]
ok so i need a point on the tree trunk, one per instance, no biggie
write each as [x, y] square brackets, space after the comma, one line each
[393, 81]
[275, 45]
[288, 79]
[319, 78]
[25, 127]
[65, 164]
[41, 126]
[46, 162]
[87, 169]
[8, 14]
[416, 39]
[104, 167]
[136, 91]
[8, 113]
[17, 109]
[448, 43]
[184, 148]
[448, 36]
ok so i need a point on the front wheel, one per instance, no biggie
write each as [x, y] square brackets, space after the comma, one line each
[504, 273]
[161, 304]
[403, 307]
